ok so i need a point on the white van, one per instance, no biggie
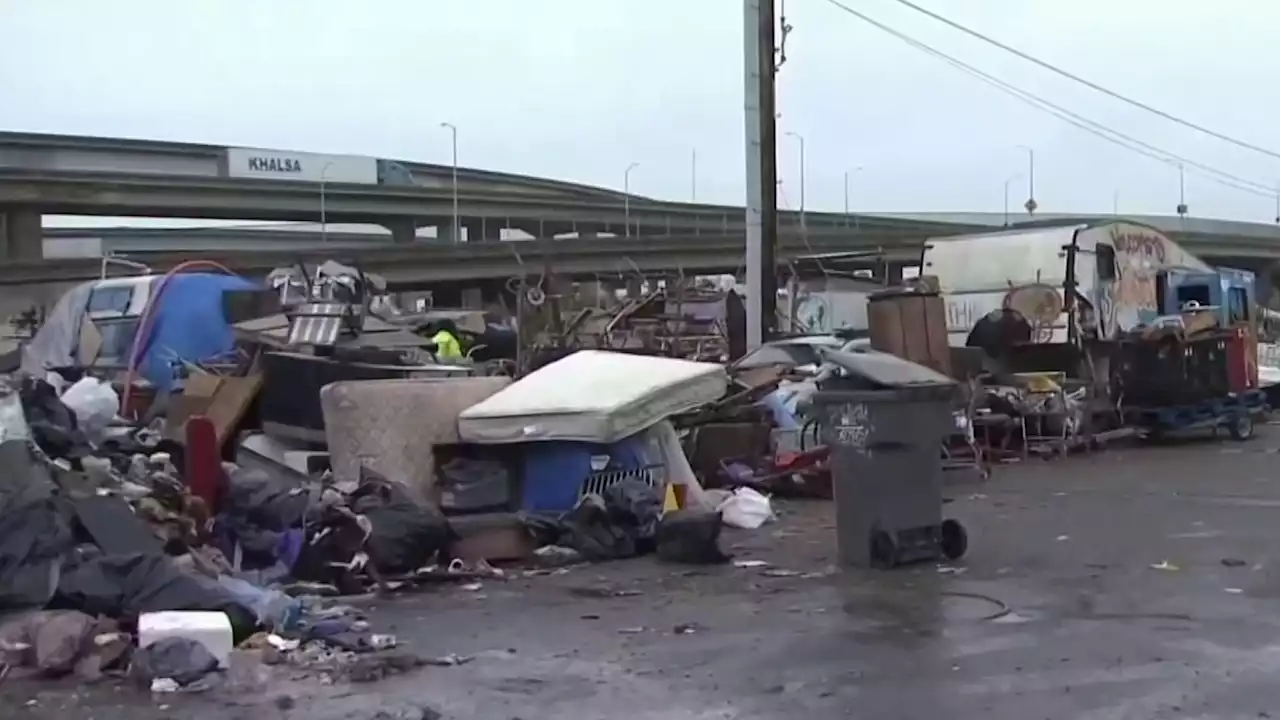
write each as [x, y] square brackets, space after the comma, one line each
[1071, 283]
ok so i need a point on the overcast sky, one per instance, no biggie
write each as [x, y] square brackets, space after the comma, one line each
[579, 89]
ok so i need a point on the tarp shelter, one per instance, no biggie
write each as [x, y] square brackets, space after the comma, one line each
[189, 325]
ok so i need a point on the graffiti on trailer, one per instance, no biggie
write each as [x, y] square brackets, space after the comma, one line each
[1139, 256]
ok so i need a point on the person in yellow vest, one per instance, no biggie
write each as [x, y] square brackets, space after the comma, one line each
[448, 345]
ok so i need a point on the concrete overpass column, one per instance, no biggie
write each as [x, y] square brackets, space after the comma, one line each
[483, 230]
[403, 230]
[21, 234]
[444, 233]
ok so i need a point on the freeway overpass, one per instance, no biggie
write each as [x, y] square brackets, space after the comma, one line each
[1253, 243]
[428, 264]
[447, 268]
[55, 174]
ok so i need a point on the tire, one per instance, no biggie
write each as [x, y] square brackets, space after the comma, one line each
[1241, 428]
[954, 541]
[884, 550]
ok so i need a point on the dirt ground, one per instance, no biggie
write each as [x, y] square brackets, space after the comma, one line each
[1133, 583]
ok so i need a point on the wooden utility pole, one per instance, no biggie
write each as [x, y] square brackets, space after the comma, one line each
[762, 170]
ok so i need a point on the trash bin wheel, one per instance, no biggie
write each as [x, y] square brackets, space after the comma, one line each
[884, 550]
[1241, 427]
[954, 540]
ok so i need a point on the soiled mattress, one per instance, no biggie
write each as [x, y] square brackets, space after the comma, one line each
[592, 396]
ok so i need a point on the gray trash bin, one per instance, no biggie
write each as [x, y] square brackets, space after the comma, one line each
[885, 420]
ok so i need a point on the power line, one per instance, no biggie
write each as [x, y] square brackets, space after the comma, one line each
[1116, 137]
[1088, 83]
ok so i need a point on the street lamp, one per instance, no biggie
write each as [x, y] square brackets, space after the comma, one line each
[800, 138]
[1009, 181]
[1182, 192]
[453, 132]
[1031, 204]
[324, 232]
[626, 196]
[693, 176]
[857, 169]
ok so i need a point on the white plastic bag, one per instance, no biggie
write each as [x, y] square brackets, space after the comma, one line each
[746, 509]
[95, 404]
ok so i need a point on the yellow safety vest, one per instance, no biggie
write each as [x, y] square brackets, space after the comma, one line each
[447, 346]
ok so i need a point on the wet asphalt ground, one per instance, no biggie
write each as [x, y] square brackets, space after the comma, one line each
[1134, 583]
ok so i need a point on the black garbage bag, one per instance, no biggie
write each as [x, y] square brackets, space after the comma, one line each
[636, 505]
[180, 659]
[590, 529]
[53, 424]
[34, 537]
[404, 535]
[335, 534]
[125, 586]
[620, 523]
[691, 536]
[268, 501]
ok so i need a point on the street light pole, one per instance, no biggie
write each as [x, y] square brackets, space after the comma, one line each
[324, 232]
[846, 194]
[800, 138]
[1031, 204]
[626, 196]
[1182, 191]
[693, 176]
[453, 132]
[1008, 181]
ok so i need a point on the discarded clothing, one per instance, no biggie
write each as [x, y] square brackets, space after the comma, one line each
[125, 586]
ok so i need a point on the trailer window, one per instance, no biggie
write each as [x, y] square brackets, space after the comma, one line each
[110, 299]
[1237, 305]
[1106, 262]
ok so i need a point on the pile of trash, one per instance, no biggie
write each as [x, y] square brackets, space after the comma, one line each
[111, 564]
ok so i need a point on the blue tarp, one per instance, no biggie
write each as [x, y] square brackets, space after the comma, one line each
[189, 325]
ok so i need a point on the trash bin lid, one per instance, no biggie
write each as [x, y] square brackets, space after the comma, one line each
[884, 371]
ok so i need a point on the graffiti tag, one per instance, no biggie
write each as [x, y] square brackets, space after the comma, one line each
[1140, 245]
[853, 427]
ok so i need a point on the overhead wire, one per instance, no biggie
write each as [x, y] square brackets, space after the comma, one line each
[1086, 82]
[1071, 117]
